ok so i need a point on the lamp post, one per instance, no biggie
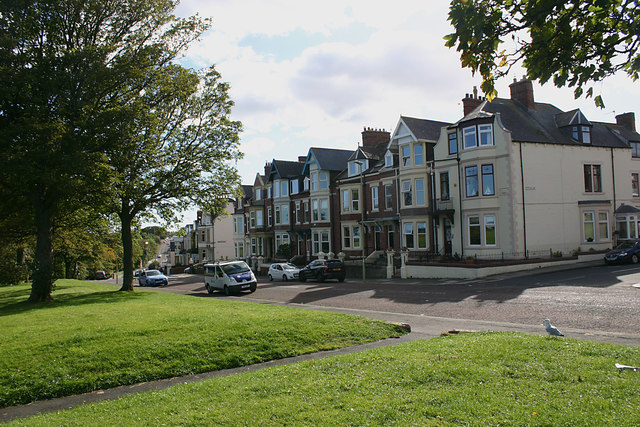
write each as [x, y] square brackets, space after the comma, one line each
[145, 255]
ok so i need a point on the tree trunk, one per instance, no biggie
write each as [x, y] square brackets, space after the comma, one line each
[42, 284]
[127, 250]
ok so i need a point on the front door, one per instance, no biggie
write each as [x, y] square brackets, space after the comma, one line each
[448, 236]
[376, 235]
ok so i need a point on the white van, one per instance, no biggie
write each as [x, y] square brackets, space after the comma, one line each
[229, 277]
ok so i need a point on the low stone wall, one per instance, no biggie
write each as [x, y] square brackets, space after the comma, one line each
[475, 271]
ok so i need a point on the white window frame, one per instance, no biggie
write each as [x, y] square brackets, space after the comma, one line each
[592, 222]
[375, 201]
[388, 160]
[418, 158]
[346, 201]
[405, 156]
[419, 192]
[388, 196]
[406, 187]
[295, 186]
[469, 138]
[324, 180]
[259, 219]
[355, 200]
[485, 135]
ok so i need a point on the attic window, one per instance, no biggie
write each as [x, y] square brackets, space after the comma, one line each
[388, 160]
[581, 134]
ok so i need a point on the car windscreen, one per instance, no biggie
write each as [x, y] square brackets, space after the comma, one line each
[153, 273]
[239, 267]
[289, 267]
[626, 245]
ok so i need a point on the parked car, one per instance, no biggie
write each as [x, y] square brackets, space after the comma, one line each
[627, 251]
[152, 278]
[137, 273]
[283, 271]
[230, 277]
[322, 269]
[101, 275]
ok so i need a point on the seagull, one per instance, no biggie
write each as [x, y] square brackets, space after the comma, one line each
[552, 330]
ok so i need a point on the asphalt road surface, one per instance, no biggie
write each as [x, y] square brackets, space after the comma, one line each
[598, 301]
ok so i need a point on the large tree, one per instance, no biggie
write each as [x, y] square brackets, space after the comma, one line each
[574, 43]
[174, 147]
[65, 67]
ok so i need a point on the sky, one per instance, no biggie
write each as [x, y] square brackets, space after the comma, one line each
[315, 74]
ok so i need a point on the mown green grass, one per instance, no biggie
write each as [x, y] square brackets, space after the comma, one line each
[94, 337]
[471, 379]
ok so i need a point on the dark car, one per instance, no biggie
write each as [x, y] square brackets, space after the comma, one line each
[322, 269]
[101, 275]
[627, 251]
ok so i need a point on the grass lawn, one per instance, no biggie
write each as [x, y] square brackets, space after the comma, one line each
[479, 379]
[95, 337]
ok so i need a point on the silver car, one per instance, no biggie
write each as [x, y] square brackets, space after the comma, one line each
[283, 271]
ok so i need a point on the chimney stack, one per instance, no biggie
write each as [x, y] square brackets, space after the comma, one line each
[302, 159]
[522, 91]
[471, 102]
[267, 169]
[372, 138]
[627, 120]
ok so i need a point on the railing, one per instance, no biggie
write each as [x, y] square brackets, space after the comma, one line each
[444, 205]
[487, 257]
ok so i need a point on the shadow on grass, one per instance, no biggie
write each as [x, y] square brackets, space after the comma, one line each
[15, 301]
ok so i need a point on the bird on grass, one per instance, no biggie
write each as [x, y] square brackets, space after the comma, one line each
[552, 330]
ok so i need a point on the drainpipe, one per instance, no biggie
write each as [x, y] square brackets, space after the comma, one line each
[524, 211]
[613, 177]
[460, 210]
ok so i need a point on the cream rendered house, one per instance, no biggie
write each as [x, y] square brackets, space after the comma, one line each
[414, 140]
[518, 178]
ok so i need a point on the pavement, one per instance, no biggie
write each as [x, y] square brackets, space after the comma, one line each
[422, 327]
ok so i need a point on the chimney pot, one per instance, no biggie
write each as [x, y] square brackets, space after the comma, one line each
[372, 137]
[522, 92]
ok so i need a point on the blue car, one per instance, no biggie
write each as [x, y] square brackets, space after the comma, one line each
[152, 278]
[627, 251]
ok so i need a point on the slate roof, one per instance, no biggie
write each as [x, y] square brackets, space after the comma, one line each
[282, 169]
[425, 130]
[542, 124]
[330, 159]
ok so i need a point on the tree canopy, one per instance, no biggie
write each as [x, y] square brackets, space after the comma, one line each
[173, 147]
[69, 72]
[573, 43]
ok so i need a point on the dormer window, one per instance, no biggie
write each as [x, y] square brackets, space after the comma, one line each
[581, 134]
[388, 159]
[357, 166]
[306, 182]
[258, 193]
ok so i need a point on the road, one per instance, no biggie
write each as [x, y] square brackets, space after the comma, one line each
[596, 301]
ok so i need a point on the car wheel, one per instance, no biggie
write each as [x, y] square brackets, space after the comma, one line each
[227, 291]
[209, 290]
[634, 258]
[284, 277]
[341, 279]
[320, 277]
[270, 278]
[253, 288]
[302, 278]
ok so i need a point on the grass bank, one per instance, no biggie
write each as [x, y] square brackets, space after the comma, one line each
[470, 379]
[94, 337]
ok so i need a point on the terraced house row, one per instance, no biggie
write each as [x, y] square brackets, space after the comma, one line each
[510, 178]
